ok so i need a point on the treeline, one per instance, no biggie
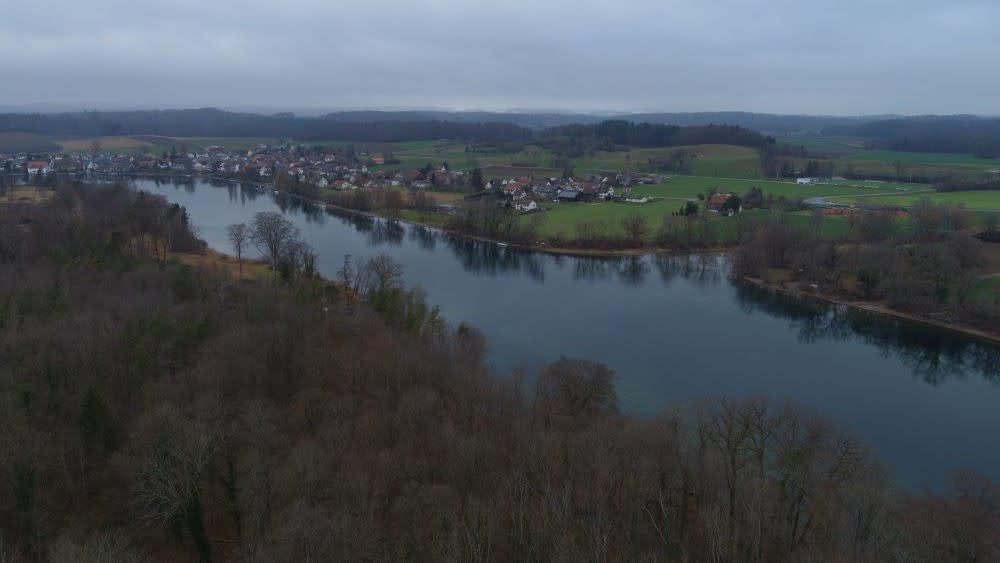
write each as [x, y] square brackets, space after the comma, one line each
[218, 123]
[933, 272]
[965, 134]
[575, 140]
[156, 411]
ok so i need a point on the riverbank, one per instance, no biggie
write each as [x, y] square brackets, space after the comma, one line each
[536, 247]
[796, 290]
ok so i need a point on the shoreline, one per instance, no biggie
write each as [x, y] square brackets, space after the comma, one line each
[554, 250]
[877, 309]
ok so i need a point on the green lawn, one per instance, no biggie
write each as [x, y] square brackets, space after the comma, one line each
[974, 200]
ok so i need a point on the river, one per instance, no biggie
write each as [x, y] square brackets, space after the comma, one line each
[675, 329]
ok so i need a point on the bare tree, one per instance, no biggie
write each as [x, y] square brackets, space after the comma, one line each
[169, 481]
[635, 227]
[239, 237]
[381, 274]
[271, 233]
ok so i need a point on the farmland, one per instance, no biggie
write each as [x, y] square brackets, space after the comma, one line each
[974, 200]
[562, 218]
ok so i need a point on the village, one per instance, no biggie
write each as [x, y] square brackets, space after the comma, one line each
[313, 170]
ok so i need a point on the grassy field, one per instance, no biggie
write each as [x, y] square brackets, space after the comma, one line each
[827, 145]
[562, 218]
[688, 187]
[927, 159]
[974, 200]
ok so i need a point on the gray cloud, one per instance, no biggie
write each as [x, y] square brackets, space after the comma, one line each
[785, 56]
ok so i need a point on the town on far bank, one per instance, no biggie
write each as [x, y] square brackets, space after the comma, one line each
[598, 209]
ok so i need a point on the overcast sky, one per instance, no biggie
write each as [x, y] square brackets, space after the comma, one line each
[781, 56]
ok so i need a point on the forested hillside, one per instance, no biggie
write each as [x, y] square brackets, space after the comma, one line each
[157, 411]
[218, 123]
[978, 136]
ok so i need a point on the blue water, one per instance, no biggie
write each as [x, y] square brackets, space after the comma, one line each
[675, 330]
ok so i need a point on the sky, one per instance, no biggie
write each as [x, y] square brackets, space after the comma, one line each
[849, 57]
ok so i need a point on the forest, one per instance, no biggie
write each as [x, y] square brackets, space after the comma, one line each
[217, 123]
[157, 410]
[610, 135]
[937, 271]
[978, 136]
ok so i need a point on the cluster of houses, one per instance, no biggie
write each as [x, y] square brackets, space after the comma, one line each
[339, 169]
[526, 192]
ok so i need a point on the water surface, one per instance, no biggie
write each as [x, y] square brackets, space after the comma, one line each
[675, 329]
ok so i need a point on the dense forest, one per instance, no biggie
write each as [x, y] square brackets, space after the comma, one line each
[218, 123]
[576, 140]
[978, 136]
[154, 410]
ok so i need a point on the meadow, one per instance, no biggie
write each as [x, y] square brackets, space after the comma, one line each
[974, 200]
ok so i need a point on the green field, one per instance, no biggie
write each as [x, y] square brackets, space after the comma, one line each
[974, 200]
[562, 218]
[688, 187]
[827, 145]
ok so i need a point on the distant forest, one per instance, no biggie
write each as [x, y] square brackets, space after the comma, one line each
[575, 140]
[953, 134]
[218, 123]
[567, 133]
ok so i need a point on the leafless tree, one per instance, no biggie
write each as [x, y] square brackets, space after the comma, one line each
[239, 237]
[636, 227]
[271, 233]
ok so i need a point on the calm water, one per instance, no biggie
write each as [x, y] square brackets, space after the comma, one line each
[675, 329]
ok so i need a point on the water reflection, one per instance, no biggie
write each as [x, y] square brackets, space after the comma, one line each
[423, 236]
[704, 270]
[487, 258]
[931, 354]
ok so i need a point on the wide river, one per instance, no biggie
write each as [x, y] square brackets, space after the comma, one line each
[675, 329]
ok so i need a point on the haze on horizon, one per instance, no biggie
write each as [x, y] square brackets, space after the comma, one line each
[782, 56]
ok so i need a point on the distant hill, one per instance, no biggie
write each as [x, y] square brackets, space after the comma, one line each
[210, 122]
[979, 136]
[965, 134]
[769, 124]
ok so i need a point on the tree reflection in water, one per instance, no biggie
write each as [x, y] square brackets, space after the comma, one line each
[933, 354]
[488, 258]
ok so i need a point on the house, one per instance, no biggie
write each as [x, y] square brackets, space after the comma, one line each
[805, 181]
[568, 195]
[717, 204]
[525, 206]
